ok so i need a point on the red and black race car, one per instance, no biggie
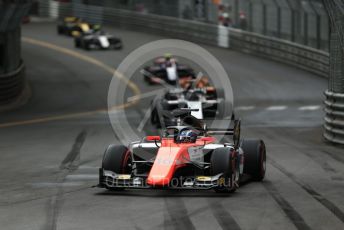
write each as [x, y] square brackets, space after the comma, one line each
[186, 157]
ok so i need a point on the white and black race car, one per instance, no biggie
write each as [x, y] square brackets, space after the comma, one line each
[98, 40]
[205, 101]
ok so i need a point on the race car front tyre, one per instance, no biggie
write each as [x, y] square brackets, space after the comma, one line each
[69, 32]
[254, 158]
[87, 46]
[116, 46]
[117, 158]
[148, 80]
[223, 161]
[77, 43]
[59, 30]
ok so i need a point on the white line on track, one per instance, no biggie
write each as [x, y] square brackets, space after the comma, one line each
[244, 108]
[276, 108]
[310, 107]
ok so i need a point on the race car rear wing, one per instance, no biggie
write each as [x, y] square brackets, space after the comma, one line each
[232, 130]
[220, 131]
[211, 127]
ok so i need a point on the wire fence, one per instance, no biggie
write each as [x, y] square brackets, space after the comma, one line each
[304, 22]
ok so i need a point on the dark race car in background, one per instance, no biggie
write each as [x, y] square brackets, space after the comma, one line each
[97, 40]
[167, 69]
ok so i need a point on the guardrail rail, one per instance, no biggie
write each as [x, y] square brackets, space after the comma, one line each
[334, 119]
[304, 57]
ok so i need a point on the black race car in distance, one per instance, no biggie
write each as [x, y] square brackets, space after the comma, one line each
[97, 40]
[167, 69]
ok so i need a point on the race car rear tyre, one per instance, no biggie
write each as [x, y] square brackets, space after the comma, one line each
[254, 158]
[117, 158]
[223, 161]
[217, 94]
[87, 46]
[147, 79]
[220, 110]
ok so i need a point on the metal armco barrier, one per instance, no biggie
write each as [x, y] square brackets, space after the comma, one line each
[12, 84]
[334, 119]
[167, 26]
[304, 57]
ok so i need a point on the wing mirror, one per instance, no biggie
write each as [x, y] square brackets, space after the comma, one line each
[153, 138]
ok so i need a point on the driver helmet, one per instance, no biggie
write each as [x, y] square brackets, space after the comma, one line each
[96, 27]
[167, 56]
[187, 136]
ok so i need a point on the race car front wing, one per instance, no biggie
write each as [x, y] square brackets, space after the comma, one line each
[109, 179]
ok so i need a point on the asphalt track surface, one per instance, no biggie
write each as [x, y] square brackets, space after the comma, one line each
[51, 148]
